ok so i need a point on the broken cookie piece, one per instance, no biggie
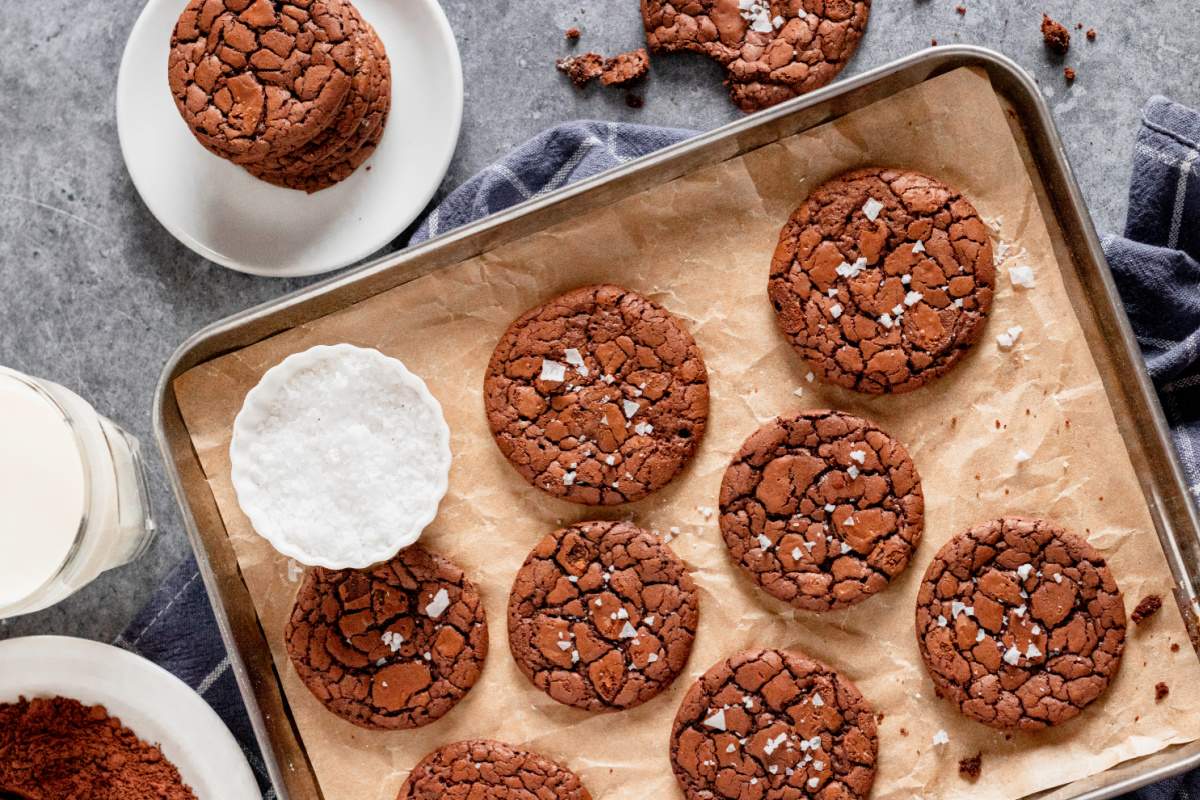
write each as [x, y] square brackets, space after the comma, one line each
[625, 68]
[581, 69]
[969, 768]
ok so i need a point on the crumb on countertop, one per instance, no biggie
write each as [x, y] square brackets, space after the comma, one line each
[969, 768]
[1174, 647]
[1091, 34]
[961, 9]
[1056, 35]
[634, 100]
[573, 33]
[1069, 74]
[1161, 690]
[933, 43]
[1146, 608]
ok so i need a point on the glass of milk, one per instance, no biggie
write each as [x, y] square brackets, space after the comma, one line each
[73, 496]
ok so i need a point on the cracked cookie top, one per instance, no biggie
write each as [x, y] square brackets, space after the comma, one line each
[481, 769]
[772, 50]
[599, 396]
[774, 725]
[396, 645]
[1020, 623]
[602, 616]
[823, 509]
[883, 279]
[258, 78]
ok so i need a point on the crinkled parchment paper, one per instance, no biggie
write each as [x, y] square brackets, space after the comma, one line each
[701, 245]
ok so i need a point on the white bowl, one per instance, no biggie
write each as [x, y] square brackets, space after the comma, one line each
[228, 216]
[329, 476]
[153, 703]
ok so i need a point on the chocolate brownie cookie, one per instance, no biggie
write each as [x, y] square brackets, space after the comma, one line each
[1020, 623]
[774, 725]
[365, 86]
[883, 279]
[598, 396]
[602, 616]
[254, 78]
[823, 509]
[772, 50]
[481, 769]
[396, 645]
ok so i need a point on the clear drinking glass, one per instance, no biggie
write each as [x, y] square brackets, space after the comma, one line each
[73, 494]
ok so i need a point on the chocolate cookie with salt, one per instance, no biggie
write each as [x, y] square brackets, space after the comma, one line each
[481, 769]
[823, 509]
[1020, 623]
[771, 50]
[598, 396]
[602, 616]
[774, 725]
[393, 646]
[883, 279]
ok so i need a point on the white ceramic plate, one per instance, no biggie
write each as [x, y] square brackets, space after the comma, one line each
[228, 216]
[150, 701]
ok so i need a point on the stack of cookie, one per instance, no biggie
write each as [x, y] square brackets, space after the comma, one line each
[295, 91]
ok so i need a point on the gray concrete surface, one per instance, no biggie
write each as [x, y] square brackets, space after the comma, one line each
[96, 295]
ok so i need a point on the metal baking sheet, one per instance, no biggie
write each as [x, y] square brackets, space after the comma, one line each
[1094, 296]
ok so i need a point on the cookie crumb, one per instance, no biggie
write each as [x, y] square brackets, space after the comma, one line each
[634, 100]
[1174, 647]
[573, 34]
[626, 68]
[1161, 690]
[1146, 608]
[961, 9]
[904, 731]
[969, 768]
[933, 43]
[581, 69]
[1069, 74]
[1057, 37]
[1091, 34]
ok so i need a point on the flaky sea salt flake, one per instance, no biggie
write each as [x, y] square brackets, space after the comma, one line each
[871, 208]
[553, 371]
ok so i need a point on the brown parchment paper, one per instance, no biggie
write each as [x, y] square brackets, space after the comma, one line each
[701, 246]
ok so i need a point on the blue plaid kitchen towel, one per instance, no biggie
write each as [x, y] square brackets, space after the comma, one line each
[1155, 265]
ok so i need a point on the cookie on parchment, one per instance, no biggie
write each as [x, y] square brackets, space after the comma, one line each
[254, 78]
[772, 50]
[822, 508]
[883, 279]
[393, 646]
[1020, 623]
[598, 396]
[480, 769]
[602, 616]
[774, 725]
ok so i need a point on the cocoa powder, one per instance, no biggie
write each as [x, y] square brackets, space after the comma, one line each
[60, 749]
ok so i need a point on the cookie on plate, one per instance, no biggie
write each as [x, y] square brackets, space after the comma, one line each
[774, 725]
[771, 51]
[883, 279]
[602, 616]
[254, 78]
[822, 508]
[598, 396]
[1020, 623]
[343, 148]
[480, 769]
[393, 646]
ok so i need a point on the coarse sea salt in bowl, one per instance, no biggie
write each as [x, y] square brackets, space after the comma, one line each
[340, 456]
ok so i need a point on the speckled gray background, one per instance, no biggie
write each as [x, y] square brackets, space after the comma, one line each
[96, 295]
